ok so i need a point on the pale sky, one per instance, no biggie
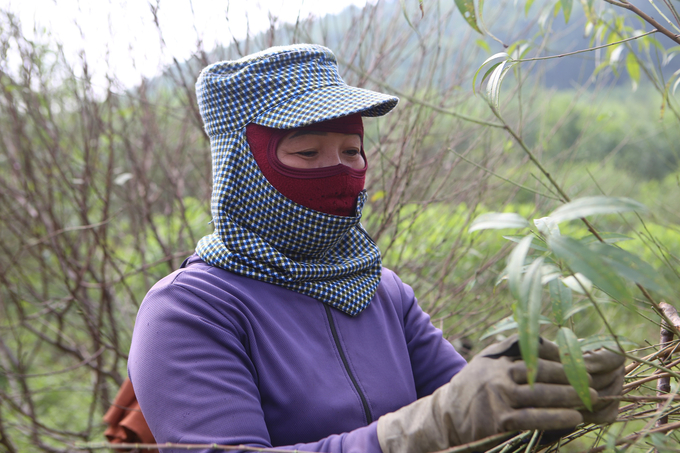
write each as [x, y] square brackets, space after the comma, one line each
[122, 32]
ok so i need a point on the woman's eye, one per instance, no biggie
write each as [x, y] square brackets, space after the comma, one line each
[352, 152]
[307, 153]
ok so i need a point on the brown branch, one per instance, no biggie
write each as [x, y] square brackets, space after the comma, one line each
[671, 313]
[663, 386]
[64, 370]
[629, 6]
[640, 399]
[635, 384]
[658, 354]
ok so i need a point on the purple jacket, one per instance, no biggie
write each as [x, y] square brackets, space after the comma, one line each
[221, 358]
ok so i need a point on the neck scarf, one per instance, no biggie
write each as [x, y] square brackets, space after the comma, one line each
[261, 234]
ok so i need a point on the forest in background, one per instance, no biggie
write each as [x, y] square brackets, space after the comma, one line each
[106, 189]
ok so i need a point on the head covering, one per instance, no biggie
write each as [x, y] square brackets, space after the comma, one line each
[333, 190]
[259, 232]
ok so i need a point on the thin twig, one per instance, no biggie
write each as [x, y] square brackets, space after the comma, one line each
[636, 384]
[639, 399]
[478, 444]
[550, 57]
[646, 362]
[481, 167]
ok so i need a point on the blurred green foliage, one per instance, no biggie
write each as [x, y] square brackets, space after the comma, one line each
[617, 126]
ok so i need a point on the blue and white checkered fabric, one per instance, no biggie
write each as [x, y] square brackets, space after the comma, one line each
[260, 233]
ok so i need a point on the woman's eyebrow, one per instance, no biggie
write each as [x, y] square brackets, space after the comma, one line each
[300, 133]
[312, 132]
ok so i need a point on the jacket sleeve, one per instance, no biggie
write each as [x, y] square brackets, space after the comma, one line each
[195, 382]
[433, 359]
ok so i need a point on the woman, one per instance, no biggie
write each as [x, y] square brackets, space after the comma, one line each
[283, 329]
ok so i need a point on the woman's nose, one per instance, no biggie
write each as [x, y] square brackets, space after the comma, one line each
[332, 157]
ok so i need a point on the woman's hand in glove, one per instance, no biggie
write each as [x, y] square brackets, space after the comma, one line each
[607, 370]
[489, 396]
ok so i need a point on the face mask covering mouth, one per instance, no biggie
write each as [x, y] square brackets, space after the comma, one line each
[331, 190]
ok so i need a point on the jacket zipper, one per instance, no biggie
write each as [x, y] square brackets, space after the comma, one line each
[364, 402]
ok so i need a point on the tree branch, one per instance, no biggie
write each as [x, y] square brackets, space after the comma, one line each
[675, 37]
[550, 57]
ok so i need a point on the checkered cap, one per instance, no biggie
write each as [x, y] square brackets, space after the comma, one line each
[260, 233]
[281, 87]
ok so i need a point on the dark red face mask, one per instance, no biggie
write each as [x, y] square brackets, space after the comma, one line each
[333, 190]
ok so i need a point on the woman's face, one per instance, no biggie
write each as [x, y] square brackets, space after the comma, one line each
[315, 149]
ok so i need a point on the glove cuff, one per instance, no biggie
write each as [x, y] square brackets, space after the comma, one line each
[420, 427]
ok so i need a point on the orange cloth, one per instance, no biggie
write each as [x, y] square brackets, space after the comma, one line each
[126, 421]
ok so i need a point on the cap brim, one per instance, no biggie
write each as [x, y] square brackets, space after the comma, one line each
[326, 103]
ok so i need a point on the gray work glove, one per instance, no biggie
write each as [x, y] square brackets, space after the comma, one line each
[607, 371]
[489, 396]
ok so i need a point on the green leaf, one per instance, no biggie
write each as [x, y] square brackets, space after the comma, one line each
[567, 6]
[497, 221]
[527, 313]
[506, 324]
[467, 9]
[574, 365]
[600, 67]
[491, 58]
[489, 72]
[557, 8]
[518, 49]
[632, 268]
[633, 68]
[579, 307]
[493, 87]
[516, 264]
[408, 21]
[537, 243]
[480, 12]
[601, 341]
[578, 282]
[642, 43]
[609, 238]
[547, 226]
[581, 259]
[543, 18]
[483, 44]
[379, 195]
[587, 206]
[616, 53]
[527, 7]
[560, 299]
[550, 273]
[494, 80]
[668, 54]
[588, 30]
